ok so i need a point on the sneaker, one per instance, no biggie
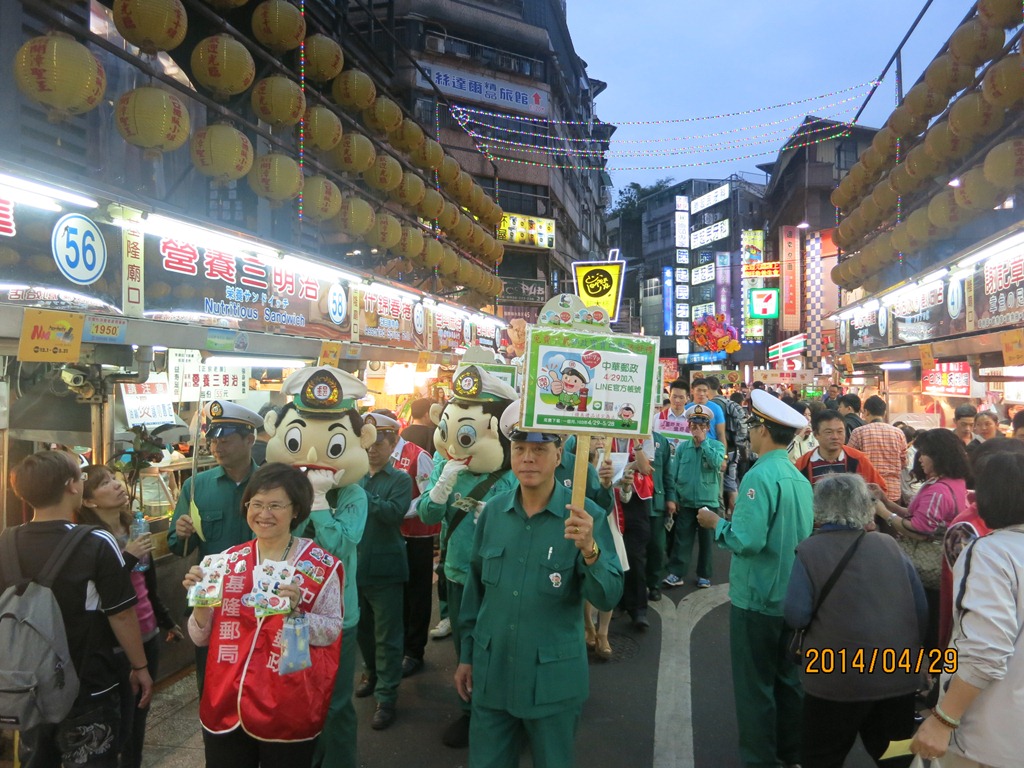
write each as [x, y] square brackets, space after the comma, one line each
[443, 629]
[672, 581]
[703, 583]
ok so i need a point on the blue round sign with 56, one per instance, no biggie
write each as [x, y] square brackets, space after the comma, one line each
[79, 249]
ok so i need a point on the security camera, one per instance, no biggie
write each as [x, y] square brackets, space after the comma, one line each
[73, 377]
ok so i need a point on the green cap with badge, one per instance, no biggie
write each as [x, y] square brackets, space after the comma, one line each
[323, 389]
[472, 384]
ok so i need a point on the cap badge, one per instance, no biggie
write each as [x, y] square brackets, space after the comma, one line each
[216, 410]
[321, 391]
[369, 419]
[468, 384]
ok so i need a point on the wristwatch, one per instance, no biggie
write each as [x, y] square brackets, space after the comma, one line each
[893, 517]
[591, 556]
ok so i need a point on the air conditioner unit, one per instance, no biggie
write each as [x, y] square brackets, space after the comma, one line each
[435, 44]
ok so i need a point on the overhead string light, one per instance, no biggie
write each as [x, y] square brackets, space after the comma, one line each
[827, 124]
[781, 105]
[302, 117]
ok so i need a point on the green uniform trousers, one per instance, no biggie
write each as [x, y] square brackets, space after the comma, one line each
[496, 737]
[455, 592]
[336, 746]
[656, 554]
[766, 687]
[382, 636]
[684, 532]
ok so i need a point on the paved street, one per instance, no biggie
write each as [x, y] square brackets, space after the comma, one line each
[664, 700]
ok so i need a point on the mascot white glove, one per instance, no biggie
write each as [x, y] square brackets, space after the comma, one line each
[322, 481]
[446, 482]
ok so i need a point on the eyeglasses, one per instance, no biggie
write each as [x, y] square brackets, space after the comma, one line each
[259, 507]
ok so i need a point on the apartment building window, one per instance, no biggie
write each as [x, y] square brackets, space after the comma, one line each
[651, 287]
[513, 197]
[846, 155]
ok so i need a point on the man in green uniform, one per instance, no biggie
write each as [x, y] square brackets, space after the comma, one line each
[474, 469]
[774, 512]
[599, 481]
[695, 483]
[320, 430]
[383, 571]
[210, 503]
[535, 559]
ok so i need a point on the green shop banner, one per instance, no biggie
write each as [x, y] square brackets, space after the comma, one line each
[583, 382]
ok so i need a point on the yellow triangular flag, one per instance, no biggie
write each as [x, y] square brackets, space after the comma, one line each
[197, 521]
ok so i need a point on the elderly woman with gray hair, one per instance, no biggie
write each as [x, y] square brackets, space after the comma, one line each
[863, 611]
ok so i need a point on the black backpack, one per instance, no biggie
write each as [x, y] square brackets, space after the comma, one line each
[38, 683]
[736, 430]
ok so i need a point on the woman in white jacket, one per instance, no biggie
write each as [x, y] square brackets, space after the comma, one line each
[978, 717]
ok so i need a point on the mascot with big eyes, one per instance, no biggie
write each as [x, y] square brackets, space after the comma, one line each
[320, 430]
[473, 464]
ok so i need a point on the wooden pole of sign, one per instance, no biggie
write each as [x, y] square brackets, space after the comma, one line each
[579, 470]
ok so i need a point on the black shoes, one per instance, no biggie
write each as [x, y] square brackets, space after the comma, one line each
[654, 594]
[411, 665]
[640, 620]
[456, 735]
[383, 717]
[366, 685]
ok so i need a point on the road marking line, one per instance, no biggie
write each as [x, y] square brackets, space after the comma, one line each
[673, 718]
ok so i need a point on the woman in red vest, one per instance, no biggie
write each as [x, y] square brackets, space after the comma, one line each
[252, 713]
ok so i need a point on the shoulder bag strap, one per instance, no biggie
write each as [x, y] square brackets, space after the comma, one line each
[60, 556]
[10, 568]
[477, 494]
[836, 573]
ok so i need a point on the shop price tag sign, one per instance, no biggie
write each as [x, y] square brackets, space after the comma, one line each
[927, 357]
[148, 405]
[105, 330]
[588, 383]
[330, 353]
[50, 337]
[1013, 346]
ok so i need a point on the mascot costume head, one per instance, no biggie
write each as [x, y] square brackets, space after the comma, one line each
[468, 426]
[319, 428]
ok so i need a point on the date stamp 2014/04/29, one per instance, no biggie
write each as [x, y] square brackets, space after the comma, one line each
[828, 661]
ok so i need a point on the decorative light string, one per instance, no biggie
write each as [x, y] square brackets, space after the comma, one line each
[461, 115]
[302, 118]
[750, 141]
[781, 105]
[846, 129]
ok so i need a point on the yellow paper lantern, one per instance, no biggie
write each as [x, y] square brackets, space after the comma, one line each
[278, 101]
[431, 205]
[410, 192]
[921, 228]
[408, 136]
[153, 119]
[947, 75]
[356, 216]
[448, 217]
[449, 171]
[152, 25]
[859, 178]
[498, 255]
[411, 242]
[221, 152]
[489, 248]
[498, 287]
[944, 145]
[477, 197]
[464, 272]
[383, 116]
[902, 182]
[885, 198]
[871, 212]
[975, 42]
[476, 238]
[837, 274]
[971, 116]
[925, 102]
[1003, 86]
[276, 177]
[847, 233]
[223, 66]
[449, 265]
[354, 90]
[462, 188]
[884, 143]
[839, 239]
[977, 193]
[460, 232]
[323, 128]
[1004, 14]
[384, 175]
[904, 122]
[945, 214]
[840, 197]
[1004, 164]
[903, 240]
[386, 231]
[874, 162]
[857, 221]
[433, 253]
[321, 199]
[921, 164]
[61, 74]
[278, 25]
[429, 156]
[324, 58]
[874, 284]
[354, 153]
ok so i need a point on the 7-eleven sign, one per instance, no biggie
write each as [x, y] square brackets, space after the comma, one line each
[763, 303]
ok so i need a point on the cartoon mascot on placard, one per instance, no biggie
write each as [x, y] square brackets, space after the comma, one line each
[320, 430]
[472, 466]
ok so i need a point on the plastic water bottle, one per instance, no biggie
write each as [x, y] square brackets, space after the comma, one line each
[140, 525]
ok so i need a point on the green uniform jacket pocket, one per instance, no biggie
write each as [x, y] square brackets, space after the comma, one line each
[561, 670]
[490, 568]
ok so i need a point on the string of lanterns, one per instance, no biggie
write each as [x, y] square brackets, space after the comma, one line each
[64, 76]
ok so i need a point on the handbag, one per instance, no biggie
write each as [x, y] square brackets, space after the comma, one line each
[796, 641]
[927, 559]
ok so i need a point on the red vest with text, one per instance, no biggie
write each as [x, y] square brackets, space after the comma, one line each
[408, 461]
[243, 686]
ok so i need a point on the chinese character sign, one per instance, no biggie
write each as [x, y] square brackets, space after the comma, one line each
[148, 405]
[472, 86]
[581, 382]
[531, 231]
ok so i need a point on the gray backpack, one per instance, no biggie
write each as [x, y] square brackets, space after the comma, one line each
[38, 683]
